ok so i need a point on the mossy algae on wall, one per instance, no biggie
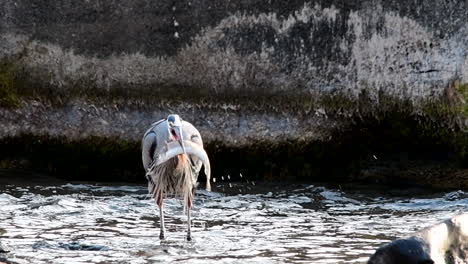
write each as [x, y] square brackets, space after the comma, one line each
[393, 150]
[8, 94]
[92, 159]
[463, 90]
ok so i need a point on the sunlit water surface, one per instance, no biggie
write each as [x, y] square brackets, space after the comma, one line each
[89, 223]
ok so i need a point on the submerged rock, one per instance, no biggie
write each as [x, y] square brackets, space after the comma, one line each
[78, 246]
[69, 246]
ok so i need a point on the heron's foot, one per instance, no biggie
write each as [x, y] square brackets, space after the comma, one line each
[161, 235]
[189, 237]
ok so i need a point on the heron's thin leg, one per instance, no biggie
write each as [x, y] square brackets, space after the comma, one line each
[189, 232]
[161, 217]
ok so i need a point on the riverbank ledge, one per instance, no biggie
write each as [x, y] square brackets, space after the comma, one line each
[304, 90]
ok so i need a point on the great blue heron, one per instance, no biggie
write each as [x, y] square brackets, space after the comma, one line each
[173, 154]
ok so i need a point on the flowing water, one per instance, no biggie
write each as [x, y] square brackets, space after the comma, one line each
[248, 222]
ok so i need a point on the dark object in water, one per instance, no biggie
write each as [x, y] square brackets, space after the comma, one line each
[443, 243]
[78, 246]
[3, 249]
[69, 246]
[402, 251]
[4, 261]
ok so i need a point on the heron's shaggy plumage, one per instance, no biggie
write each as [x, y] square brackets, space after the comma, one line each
[172, 177]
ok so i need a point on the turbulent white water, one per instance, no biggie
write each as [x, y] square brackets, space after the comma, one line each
[86, 223]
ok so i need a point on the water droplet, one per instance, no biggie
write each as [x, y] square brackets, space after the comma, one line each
[253, 183]
[229, 177]
[222, 178]
[240, 174]
[214, 179]
[374, 156]
[230, 185]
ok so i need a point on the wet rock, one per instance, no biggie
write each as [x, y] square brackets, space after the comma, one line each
[402, 251]
[444, 243]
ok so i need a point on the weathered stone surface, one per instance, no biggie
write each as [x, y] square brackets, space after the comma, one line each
[410, 51]
[233, 127]
[242, 71]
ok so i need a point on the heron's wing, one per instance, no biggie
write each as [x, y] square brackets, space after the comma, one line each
[150, 144]
[148, 150]
[153, 127]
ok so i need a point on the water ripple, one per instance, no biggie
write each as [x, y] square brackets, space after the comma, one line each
[88, 223]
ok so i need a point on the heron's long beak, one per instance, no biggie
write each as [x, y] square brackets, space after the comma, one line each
[180, 139]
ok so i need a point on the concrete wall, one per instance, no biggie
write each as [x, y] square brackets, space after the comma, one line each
[411, 51]
[241, 71]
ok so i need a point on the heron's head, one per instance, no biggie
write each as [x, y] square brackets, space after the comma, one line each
[174, 124]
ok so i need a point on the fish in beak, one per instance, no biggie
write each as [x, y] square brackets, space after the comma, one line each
[177, 134]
